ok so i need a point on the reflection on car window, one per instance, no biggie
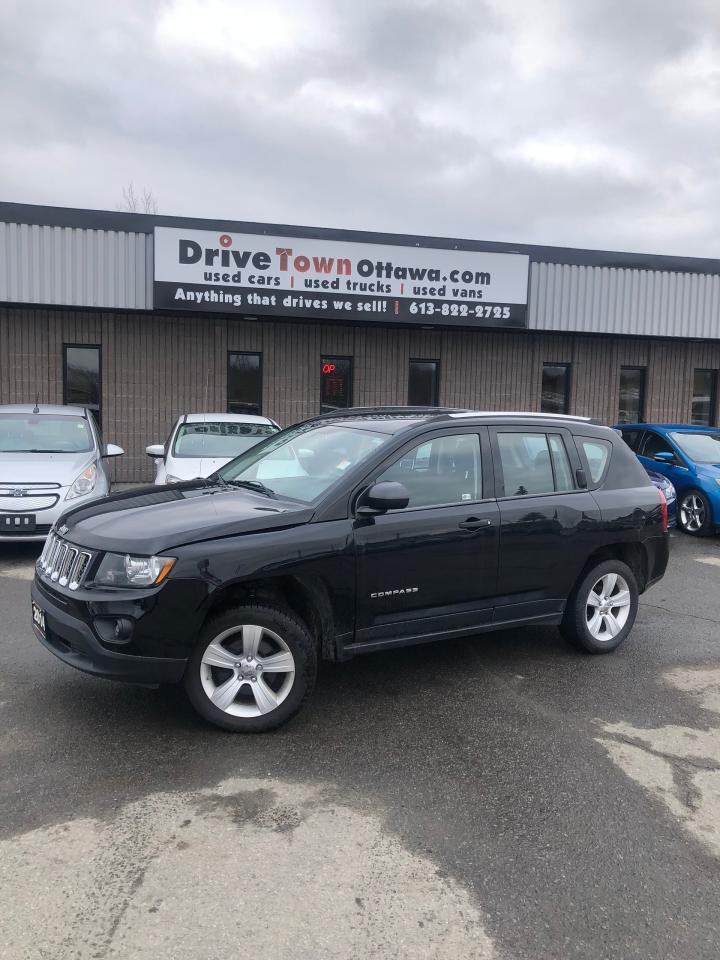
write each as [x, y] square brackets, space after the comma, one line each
[305, 461]
[561, 464]
[597, 453]
[700, 447]
[222, 439]
[441, 471]
[44, 433]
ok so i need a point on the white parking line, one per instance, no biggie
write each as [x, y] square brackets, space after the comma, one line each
[712, 561]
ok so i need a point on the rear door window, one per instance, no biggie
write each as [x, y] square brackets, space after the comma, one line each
[632, 438]
[526, 464]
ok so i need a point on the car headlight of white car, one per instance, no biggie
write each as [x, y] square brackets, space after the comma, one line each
[84, 484]
[124, 570]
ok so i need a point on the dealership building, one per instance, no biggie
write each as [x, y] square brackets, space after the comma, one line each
[145, 317]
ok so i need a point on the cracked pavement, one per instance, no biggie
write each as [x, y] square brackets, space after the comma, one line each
[503, 797]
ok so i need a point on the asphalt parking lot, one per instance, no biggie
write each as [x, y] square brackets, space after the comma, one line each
[503, 797]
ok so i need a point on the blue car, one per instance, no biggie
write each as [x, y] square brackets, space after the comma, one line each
[662, 483]
[690, 459]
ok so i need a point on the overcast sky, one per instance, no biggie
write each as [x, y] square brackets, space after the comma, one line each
[571, 122]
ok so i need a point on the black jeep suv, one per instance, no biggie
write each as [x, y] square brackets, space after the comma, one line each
[352, 531]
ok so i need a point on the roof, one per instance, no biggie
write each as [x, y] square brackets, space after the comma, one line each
[678, 427]
[145, 223]
[225, 418]
[48, 408]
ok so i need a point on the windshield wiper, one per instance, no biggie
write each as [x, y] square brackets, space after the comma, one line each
[256, 485]
[38, 450]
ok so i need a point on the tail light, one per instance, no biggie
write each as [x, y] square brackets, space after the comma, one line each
[663, 510]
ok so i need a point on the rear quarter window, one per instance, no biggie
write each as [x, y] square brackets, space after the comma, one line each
[597, 454]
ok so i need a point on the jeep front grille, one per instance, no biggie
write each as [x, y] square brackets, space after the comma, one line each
[62, 563]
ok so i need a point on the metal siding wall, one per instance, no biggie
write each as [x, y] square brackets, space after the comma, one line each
[69, 266]
[612, 300]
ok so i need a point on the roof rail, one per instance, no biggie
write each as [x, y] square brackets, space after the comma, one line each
[533, 415]
[394, 411]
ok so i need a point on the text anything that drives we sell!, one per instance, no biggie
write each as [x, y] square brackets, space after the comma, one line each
[304, 278]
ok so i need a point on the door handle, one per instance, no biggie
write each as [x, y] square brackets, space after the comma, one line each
[475, 523]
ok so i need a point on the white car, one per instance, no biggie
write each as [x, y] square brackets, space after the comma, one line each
[52, 459]
[200, 443]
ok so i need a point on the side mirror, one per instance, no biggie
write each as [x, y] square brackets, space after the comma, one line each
[113, 450]
[156, 450]
[381, 497]
[665, 457]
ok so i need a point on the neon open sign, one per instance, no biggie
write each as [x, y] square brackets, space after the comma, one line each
[329, 368]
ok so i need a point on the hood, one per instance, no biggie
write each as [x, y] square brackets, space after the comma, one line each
[62, 468]
[155, 519]
[188, 468]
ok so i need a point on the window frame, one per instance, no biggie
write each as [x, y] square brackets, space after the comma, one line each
[643, 391]
[85, 346]
[486, 471]
[570, 449]
[712, 422]
[244, 353]
[568, 386]
[436, 385]
[331, 358]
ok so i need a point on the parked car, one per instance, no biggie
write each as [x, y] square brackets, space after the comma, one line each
[690, 459]
[199, 443]
[51, 458]
[393, 526]
[662, 483]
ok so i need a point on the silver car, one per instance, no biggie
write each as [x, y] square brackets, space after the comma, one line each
[201, 443]
[51, 459]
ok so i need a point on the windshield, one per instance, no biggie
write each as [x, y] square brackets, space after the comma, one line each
[44, 433]
[219, 439]
[304, 461]
[700, 447]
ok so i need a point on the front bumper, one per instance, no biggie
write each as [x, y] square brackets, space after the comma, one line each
[74, 642]
[45, 519]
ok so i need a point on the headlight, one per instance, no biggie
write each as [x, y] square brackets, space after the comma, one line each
[717, 480]
[169, 478]
[84, 483]
[122, 570]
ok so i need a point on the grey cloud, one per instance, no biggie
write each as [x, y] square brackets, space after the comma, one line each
[403, 116]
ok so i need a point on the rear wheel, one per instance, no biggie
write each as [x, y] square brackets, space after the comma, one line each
[694, 514]
[252, 669]
[602, 609]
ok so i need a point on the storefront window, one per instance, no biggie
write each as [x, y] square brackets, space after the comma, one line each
[423, 383]
[335, 383]
[632, 395]
[555, 388]
[703, 401]
[82, 385]
[244, 383]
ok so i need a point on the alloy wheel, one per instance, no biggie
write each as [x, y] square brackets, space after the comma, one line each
[608, 607]
[692, 512]
[247, 671]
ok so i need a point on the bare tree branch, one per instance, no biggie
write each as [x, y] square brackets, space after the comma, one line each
[132, 203]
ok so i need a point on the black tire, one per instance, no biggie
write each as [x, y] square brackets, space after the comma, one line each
[283, 625]
[575, 627]
[694, 514]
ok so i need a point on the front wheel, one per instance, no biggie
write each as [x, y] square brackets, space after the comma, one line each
[694, 514]
[252, 669]
[602, 609]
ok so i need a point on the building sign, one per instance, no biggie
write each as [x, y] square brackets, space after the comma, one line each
[205, 270]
